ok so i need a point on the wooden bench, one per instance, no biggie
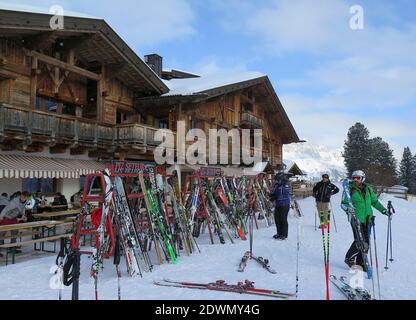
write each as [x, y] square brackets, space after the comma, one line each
[41, 241]
[55, 214]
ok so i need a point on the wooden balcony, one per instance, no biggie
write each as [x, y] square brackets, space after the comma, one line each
[249, 120]
[21, 124]
[136, 134]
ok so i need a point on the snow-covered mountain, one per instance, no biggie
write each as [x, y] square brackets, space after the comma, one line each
[315, 160]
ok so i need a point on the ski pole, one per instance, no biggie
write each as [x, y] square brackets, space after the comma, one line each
[297, 259]
[387, 244]
[391, 211]
[325, 261]
[333, 217]
[376, 257]
[371, 257]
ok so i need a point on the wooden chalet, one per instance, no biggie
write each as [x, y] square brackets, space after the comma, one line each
[244, 100]
[69, 95]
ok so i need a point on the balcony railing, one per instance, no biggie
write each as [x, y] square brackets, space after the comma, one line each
[249, 120]
[26, 123]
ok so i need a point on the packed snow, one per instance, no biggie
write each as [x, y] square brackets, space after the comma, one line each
[207, 82]
[30, 279]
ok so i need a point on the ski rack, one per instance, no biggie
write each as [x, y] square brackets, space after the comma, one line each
[88, 198]
[124, 169]
[203, 173]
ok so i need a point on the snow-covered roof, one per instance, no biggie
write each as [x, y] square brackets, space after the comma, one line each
[207, 82]
[289, 164]
[42, 10]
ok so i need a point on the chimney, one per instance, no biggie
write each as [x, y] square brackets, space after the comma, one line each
[154, 61]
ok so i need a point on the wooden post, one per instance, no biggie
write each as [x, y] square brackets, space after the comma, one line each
[33, 82]
[100, 99]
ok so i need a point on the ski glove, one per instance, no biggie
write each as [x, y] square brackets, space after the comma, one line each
[386, 213]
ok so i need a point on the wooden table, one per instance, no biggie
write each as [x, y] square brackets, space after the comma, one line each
[46, 232]
[56, 214]
[30, 225]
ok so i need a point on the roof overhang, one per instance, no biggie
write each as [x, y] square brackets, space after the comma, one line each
[101, 43]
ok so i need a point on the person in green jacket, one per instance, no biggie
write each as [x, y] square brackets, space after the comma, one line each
[363, 200]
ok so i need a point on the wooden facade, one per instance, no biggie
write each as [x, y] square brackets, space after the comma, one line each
[249, 105]
[83, 89]
[72, 89]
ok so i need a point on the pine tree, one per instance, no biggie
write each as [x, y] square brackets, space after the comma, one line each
[406, 168]
[382, 168]
[412, 182]
[357, 148]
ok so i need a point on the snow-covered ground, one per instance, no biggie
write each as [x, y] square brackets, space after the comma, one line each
[30, 279]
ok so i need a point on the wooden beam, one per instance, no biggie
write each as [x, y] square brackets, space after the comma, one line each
[41, 41]
[33, 82]
[100, 99]
[63, 65]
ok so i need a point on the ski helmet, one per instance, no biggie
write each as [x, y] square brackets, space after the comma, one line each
[325, 175]
[360, 174]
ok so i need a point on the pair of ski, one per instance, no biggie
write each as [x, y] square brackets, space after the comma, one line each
[356, 224]
[350, 292]
[263, 262]
[246, 287]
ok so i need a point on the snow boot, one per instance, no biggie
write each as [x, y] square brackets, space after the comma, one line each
[350, 263]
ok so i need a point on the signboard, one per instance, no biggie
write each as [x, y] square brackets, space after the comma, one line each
[210, 172]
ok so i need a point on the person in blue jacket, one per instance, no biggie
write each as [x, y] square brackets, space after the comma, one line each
[281, 194]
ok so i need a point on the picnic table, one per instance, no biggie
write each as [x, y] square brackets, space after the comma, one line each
[41, 232]
[50, 208]
[56, 214]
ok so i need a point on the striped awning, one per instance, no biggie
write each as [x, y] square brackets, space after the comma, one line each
[16, 166]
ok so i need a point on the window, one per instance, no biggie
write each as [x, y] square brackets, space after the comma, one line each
[122, 117]
[247, 107]
[38, 103]
[50, 105]
[68, 109]
[192, 124]
[46, 186]
[161, 123]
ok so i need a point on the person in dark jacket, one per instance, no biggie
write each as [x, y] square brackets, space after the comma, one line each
[323, 191]
[60, 200]
[281, 194]
[11, 215]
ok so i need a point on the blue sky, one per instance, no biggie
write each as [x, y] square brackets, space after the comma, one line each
[327, 75]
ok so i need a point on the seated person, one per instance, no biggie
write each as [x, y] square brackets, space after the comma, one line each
[30, 208]
[4, 201]
[11, 215]
[40, 202]
[76, 199]
[60, 202]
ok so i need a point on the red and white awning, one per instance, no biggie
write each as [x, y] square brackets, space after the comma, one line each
[16, 166]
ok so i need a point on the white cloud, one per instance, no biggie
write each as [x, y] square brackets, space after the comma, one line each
[139, 22]
[147, 23]
[210, 65]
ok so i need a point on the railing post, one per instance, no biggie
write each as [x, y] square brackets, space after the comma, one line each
[96, 135]
[2, 121]
[145, 136]
[114, 134]
[76, 131]
[29, 128]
